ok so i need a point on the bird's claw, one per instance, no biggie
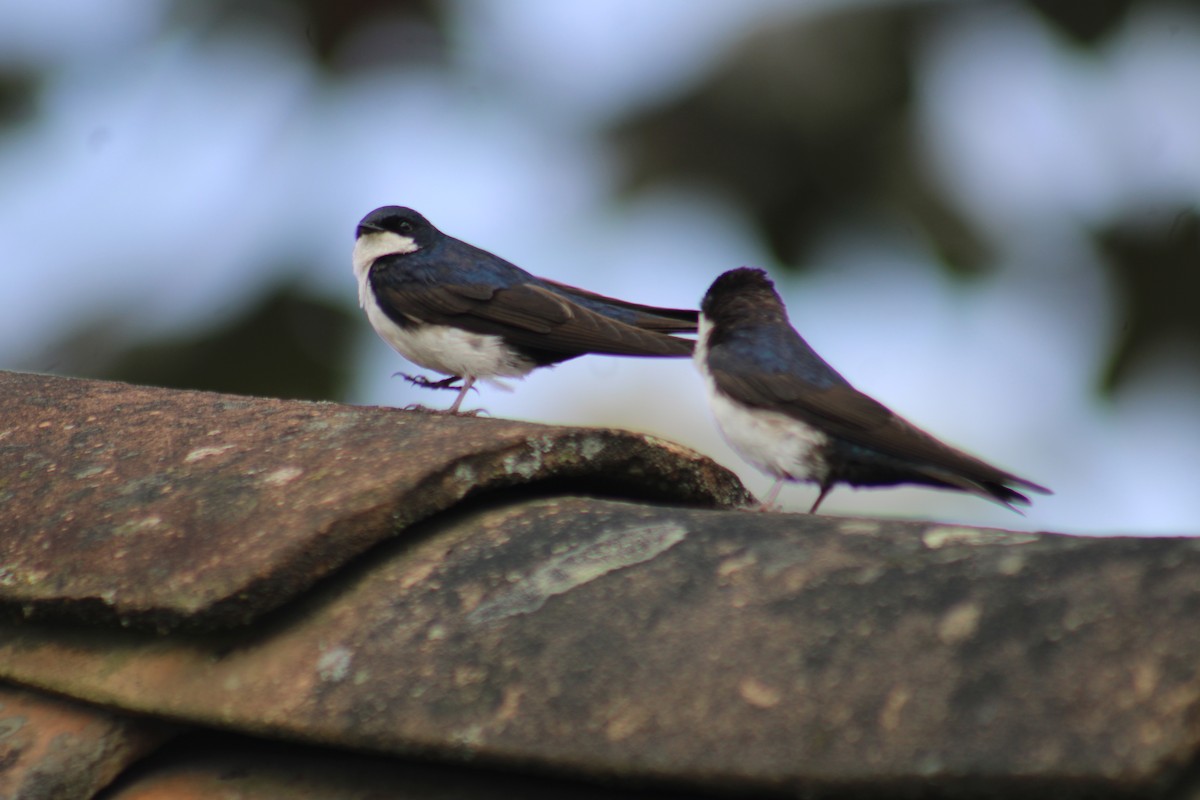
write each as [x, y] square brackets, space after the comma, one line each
[451, 383]
[445, 411]
[424, 383]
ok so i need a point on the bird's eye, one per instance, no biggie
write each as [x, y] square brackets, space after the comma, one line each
[406, 226]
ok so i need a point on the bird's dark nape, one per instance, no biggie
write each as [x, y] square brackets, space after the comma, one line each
[740, 295]
[742, 278]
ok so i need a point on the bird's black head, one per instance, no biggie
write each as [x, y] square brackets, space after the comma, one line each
[400, 222]
[742, 295]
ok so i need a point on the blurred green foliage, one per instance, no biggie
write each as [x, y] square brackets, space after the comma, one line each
[18, 94]
[286, 345]
[1157, 271]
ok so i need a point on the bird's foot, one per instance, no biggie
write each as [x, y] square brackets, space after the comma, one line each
[419, 407]
[424, 383]
[446, 412]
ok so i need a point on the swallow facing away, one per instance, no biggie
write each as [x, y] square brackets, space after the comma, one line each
[791, 415]
[455, 309]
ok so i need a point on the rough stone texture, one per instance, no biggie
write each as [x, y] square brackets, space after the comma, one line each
[157, 507]
[736, 649]
[536, 631]
[233, 769]
[52, 748]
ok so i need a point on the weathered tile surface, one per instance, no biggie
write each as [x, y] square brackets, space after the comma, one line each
[239, 769]
[542, 632]
[52, 749]
[155, 507]
[719, 647]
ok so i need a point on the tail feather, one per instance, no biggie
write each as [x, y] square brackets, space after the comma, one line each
[995, 491]
[650, 318]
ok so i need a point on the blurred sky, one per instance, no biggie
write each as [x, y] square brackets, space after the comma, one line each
[171, 175]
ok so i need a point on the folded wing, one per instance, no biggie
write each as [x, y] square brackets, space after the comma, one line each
[850, 415]
[539, 318]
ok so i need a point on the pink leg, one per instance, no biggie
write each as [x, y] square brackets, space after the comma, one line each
[825, 487]
[468, 382]
[769, 502]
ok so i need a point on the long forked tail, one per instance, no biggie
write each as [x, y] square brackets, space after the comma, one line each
[650, 318]
[989, 488]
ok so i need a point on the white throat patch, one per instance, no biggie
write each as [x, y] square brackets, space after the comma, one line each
[371, 246]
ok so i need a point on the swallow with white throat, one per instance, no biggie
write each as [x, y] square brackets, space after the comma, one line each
[791, 415]
[458, 310]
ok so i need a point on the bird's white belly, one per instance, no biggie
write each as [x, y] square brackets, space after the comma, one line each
[775, 443]
[449, 350]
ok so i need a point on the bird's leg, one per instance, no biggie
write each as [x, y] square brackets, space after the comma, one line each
[825, 487]
[468, 382]
[445, 383]
[769, 502]
[425, 383]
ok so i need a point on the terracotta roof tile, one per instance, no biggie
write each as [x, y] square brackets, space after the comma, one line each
[157, 507]
[558, 634]
[54, 748]
[760, 650]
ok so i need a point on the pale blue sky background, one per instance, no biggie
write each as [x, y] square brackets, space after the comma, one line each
[174, 175]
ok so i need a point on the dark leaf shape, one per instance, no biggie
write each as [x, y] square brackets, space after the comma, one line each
[1157, 272]
[1084, 23]
[805, 125]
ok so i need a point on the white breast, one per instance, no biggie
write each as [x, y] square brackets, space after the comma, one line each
[448, 350]
[773, 442]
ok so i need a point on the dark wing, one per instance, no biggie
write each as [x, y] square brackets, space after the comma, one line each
[651, 318]
[845, 412]
[526, 315]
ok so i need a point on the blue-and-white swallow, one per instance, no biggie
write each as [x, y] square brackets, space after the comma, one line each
[456, 309]
[791, 415]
